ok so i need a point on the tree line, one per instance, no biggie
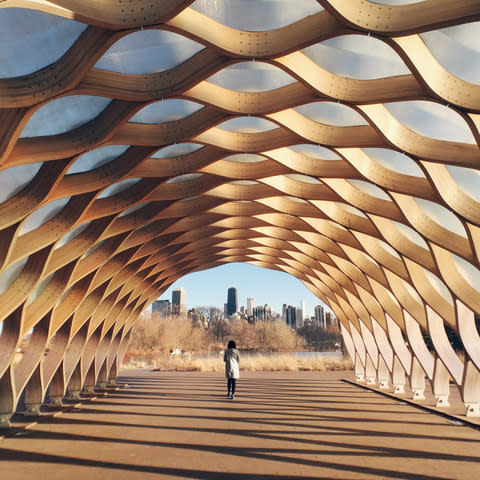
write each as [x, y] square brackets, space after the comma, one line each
[208, 332]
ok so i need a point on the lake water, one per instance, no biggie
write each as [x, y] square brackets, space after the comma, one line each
[303, 354]
[336, 354]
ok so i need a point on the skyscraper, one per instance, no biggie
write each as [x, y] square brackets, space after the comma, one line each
[301, 313]
[291, 317]
[299, 317]
[250, 306]
[178, 301]
[262, 313]
[328, 320]
[161, 308]
[232, 301]
[320, 316]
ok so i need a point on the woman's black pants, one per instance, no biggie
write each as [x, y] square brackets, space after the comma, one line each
[231, 386]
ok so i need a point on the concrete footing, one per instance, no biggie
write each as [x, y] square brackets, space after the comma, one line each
[32, 410]
[473, 410]
[5, 421]
[73, 395]
[398, 389]
[55, 402]
[418, 395]
[442, 401]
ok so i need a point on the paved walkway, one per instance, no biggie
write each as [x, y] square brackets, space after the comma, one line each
[299, 425]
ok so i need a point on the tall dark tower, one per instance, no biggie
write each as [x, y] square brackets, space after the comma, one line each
[178, 301]
[232, 301]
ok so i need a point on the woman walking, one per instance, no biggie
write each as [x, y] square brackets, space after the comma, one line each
[231, 357]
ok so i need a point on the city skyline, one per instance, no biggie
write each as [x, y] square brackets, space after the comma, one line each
[210, 287]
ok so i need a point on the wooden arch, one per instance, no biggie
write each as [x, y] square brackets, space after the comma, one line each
[102, 211]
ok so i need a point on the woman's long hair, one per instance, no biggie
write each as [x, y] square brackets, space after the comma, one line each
[232, 344]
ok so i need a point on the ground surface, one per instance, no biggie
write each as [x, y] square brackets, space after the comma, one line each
[294, 425]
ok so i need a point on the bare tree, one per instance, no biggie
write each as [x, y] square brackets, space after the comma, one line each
[210, 312]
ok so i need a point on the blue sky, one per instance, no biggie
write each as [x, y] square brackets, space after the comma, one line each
[209, 287]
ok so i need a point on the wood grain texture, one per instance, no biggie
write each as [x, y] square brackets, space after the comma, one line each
[306, 197]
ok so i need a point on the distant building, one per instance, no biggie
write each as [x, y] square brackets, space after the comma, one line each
[161, 308]
[309, 321]
[319, 316]
[262, 313]
[178, 301]
[275, 317]
[196, 316]
[250, 306]
[299, 316]
[284, 312]
[291, 316]
[330, 320]
[334, 322]
[303, 314]
[232, 301]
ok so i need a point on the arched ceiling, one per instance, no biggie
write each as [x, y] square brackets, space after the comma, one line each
[334, 140]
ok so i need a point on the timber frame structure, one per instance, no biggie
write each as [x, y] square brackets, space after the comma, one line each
[144, 140]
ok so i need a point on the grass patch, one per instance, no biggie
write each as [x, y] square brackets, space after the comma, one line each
[274, 362]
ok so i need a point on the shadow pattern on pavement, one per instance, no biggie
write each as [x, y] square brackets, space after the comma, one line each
[280, 426]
